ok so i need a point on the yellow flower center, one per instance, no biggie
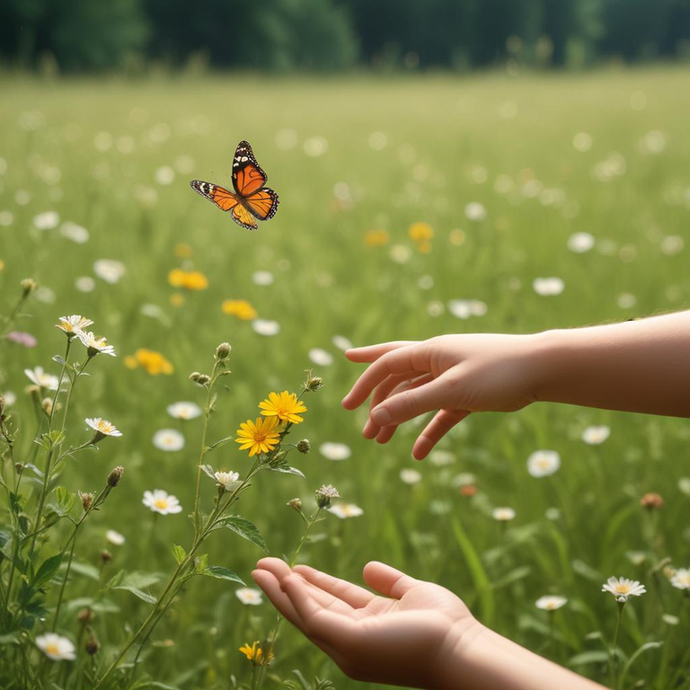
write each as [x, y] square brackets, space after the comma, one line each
[161, 503]
[53, 649]
[622, 589]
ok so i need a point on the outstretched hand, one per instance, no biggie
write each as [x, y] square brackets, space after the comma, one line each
[451, 374]
[398, 638]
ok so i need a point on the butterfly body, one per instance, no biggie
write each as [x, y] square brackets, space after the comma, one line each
[251, 200]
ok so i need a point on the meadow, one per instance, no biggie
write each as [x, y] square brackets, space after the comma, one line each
[410, 207]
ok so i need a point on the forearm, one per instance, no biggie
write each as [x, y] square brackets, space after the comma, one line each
[489, 661]
[636, 366]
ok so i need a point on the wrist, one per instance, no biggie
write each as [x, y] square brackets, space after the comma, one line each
[544, 361]
[459, 656]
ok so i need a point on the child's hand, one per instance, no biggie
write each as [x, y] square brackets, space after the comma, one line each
[407, 637]
[454, 374]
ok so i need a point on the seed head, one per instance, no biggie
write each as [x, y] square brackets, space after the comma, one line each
[86, 500]
[115, 475]
[85, 616]
[201, 379]
[106, 556]
[304, 446]
[92, 645]
[325, 494]
[313, 383]
[295, 503]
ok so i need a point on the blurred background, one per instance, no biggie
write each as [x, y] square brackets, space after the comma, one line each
[338, 35]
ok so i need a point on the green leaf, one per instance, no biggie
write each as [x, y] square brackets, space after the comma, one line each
[179, 553]
[9, 638]
[144, 596]
[86, 569]
[246, 529]
[589, 573]
[135, 581]
[513, 576]
[221, 573]
[287, 470]
[48, 568]
[594, 656]
[59, 360]
[201, 563]
[208, 470]
[634, 657]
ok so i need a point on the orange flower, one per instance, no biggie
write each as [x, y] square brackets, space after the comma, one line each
[153, 362]
[189, 280]
[239, 308]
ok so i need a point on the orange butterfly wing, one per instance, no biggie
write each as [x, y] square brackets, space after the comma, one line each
[221, 197]
[262, 204]
[242, 217]
[247, 175]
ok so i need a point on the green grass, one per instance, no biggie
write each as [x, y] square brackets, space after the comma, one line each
[440, 133]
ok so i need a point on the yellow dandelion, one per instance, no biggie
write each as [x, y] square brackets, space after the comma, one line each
[376, 238]
[421, 232]
[153, 362]
[131, 362]
[261, 436]
[188, 280]
[285, 406]
[255, 653]
[239, 308]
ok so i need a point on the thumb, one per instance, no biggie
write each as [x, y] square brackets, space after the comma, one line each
[410, 403]
[387, 580]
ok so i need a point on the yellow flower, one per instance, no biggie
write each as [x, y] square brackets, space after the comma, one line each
[2, 264]
[239, 308]
[154, 362]
[283, 405]
[255, 653]
[420, 232]
[177, 299]
[261, 436]
[183, 250]
[376, 238]
[457, 237]
[424, 247]
[189, 280]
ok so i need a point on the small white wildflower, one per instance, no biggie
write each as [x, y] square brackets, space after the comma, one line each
[266, 327]
[464, 479]
[550, 602]
[162, 502]
[109, 270]
[250, 596]
[548, 286]
[85, 284]
[410, 476]
[622, 588]
[325, 494]
[38, 377]
[335, 451]
[503, 514]
[581, 242]
[441, 458]
[75, 233]
[681, 578]
[46, 220]
[320, 357]
[56, 647]
[262, 278]
[400, 253]
[543, 463]
[115, 537]
[10, 397]
[346, 510]
[582, 142]
[670, 619]
[227, 479]
[684, 485]
[103, 427]
[594, 435]
[73, 324]
[184, 410]
[341, 342]
[475, 211]
[168, 439]
[95, 345]
[464, 308]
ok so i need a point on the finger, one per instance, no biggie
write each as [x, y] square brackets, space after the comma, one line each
[354, 596]
[277, 566]
[369, 353]
[327, 625]
[395, 362]
[435, 430]
[372, 430]
[409, 404]
[387, 580]
[380, 393]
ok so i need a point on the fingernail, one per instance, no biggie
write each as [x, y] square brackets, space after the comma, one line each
[381, 416]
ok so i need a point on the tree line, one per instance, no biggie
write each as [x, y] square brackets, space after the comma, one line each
[331, 35]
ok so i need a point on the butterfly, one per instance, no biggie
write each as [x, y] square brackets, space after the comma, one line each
[250, 200]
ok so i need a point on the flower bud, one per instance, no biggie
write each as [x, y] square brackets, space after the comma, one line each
[115, 475]
[201, 379]
[106, 556]
[28, 286]
[92, 645]
[652, 501]
[47, 405]
[304, 446]
[223, 351]
[295, 503]
[313, 383]
[18, 467]
[86, 500]
[85, 616]
[325, 494]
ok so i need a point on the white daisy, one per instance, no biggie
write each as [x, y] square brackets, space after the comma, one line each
[581, 242]
[184, 410]
[464, 479]
[103, 427]
[400, 253]
[335, 451]
[73, 324]
[681, 578]
[75, 233]
[622, 588]
[46, 220]
[109, 270]
[441, 458]
[548, 286]
[475, 211]
[9, 397]
[410, 476]
[594, 435]
[550, 602]
[346, 510]
[162, 502]
[543, 463]
[262, 278]
[250, 596]
[168, 440]
[464, 308]
[85, 284]
[227, 479]
[115, 537]
[503, 514]
[38, 377]
[684, 485]
[56, 647]
[266, 327]
[320, 357]
[341, 342]
[45, 294]
[95, 345]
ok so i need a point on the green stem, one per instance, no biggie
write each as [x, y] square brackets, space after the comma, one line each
[64, 580]
[615, 642]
